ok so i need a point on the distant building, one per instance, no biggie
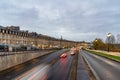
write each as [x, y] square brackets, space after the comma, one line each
[12, 35]
[86, 44]
[13, 28]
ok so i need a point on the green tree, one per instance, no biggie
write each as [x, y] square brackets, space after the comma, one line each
[98, 44]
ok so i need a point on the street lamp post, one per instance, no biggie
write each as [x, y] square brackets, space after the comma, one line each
[108, 36]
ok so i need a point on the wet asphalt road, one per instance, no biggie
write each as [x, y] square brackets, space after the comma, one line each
[18, 70]
[105, 69]
[58, 71]
[61, 69]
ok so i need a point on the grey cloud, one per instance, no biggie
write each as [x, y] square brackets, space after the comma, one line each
[74, 19]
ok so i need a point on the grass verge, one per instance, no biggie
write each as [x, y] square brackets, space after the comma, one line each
[116, 58]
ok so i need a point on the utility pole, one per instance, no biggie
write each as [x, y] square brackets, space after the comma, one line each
[61, 42]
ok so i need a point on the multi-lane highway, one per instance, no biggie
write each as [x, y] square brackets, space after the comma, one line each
[104, 68]
[50, 67]
[58, 71]
[18, 70]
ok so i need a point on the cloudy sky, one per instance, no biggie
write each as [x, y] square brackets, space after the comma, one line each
[73, 19]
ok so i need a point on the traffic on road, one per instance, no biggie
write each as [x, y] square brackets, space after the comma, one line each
[50, 67]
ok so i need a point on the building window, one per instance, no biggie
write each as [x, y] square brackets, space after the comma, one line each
[6, 31]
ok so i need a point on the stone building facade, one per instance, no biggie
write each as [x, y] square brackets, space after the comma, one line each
[12, 35]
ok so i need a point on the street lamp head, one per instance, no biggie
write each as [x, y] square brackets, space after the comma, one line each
[109, 35]
[96, 40]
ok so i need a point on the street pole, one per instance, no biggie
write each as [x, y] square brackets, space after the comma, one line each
[109, 35]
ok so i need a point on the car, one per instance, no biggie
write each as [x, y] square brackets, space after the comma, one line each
[64, 55]
[72, 53]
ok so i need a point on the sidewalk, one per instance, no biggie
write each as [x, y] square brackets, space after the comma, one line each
[82, 73]
[111, 53]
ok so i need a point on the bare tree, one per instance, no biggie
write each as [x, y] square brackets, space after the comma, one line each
[118, 38]
[110, 39]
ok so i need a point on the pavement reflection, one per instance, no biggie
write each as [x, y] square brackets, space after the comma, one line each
[37, 73]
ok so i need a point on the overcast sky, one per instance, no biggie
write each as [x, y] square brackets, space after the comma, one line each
[73, 19]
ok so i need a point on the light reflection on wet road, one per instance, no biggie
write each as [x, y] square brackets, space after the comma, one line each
[58, 71]
[55, 68]
[37, 73]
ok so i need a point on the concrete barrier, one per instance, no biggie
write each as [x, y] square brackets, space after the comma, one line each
[8, 61]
